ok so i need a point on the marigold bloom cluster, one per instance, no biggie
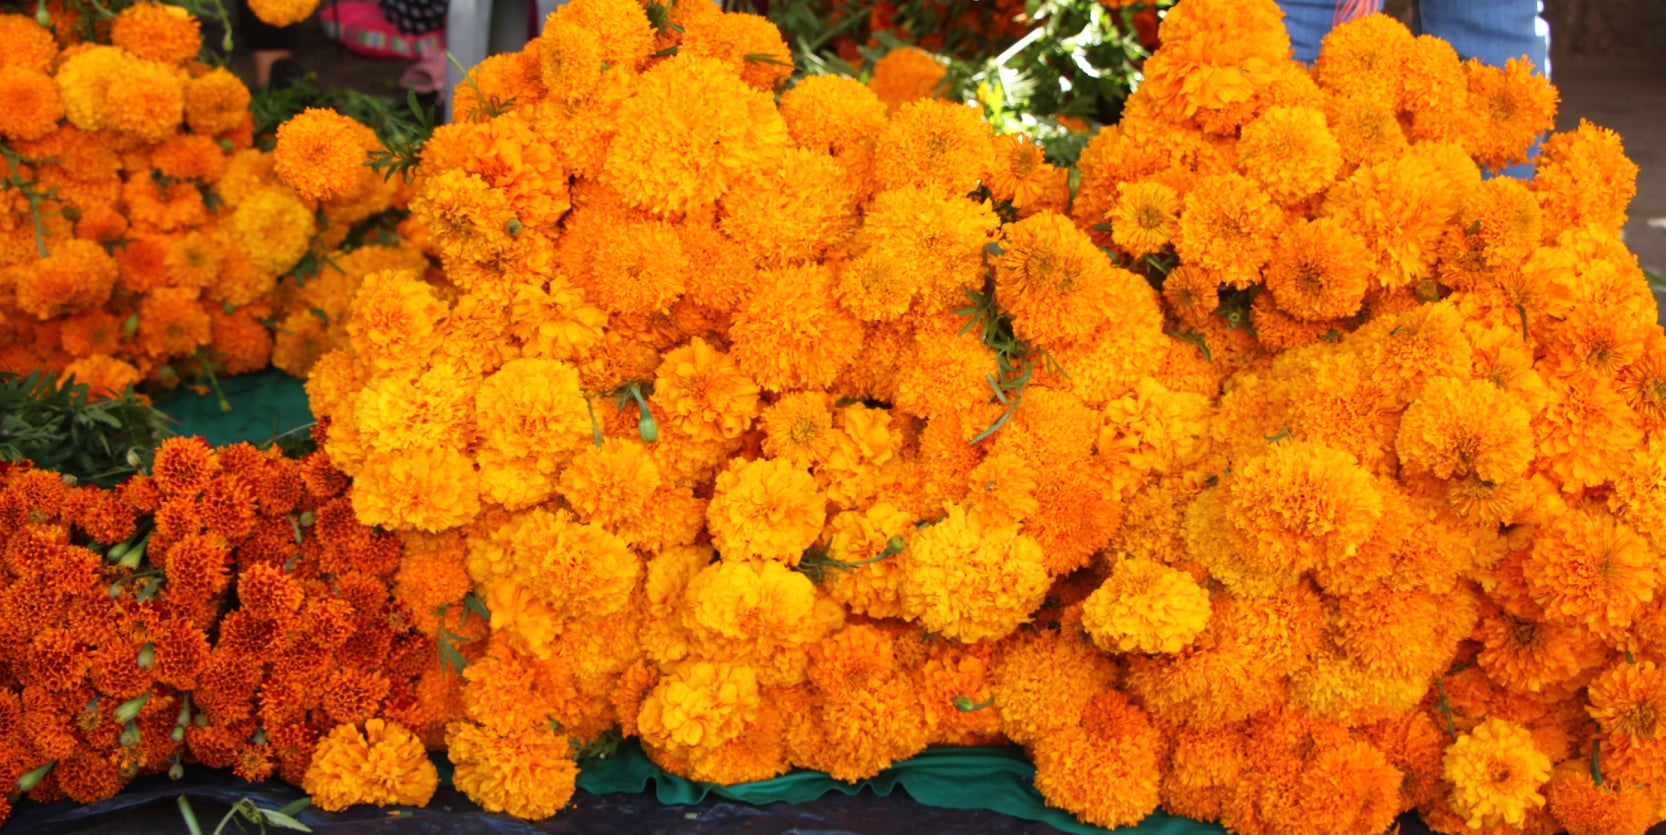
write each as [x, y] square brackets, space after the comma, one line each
[160, 242]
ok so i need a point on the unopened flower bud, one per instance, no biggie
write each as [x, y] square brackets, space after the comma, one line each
[177, 770]
[514, 226]
[133, 459]
[130, 735]
[28, 781]
[147, 656]
[130, 708]
[308, 518]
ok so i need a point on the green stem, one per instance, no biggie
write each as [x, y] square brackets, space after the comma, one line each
[1596, 761]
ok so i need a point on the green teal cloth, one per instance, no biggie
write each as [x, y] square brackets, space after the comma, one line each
[263, 405]
[270, 403]
[998, 779]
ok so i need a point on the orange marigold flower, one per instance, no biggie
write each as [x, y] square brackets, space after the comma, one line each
[621, 26]
[687, 134]
[468, 219]
[528, 772]
[837, 115]
[157, 32]
[569, 59]
[241, 343]
[766, 509]
[1228, 228]
[172, 323]
[1365, 57]
[93, 332]
[1458, 428]
[386, 765]
[969, 582]
[33, 106]
[76, 275]
[320, 153]
[1515, 105]
[30, 44]
[792, 334]
[283, 12]
[702, 394]
[1589, 567]
[700, 704]
[751, 44]
[1115, 745]
[146, 100]
[798, 428]
[425, 489]
[907, 74]
[105, 376]
[937, 145]
[1630, 700]
[394, 318]
[1290, 152]
[1146, 217]
[1319, 271]
[1496, 773]
[1021, 172]
[274, 228]
[1583, 178]
[533, 409]
[934, 243]
[215, 102]
[1146, 607]
[1054, 281]
[183, 467]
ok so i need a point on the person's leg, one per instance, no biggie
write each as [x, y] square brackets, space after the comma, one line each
[267, 44]
[1493, 31]
[1308, 22]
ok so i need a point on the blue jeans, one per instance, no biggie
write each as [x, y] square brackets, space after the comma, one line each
[1491, 30]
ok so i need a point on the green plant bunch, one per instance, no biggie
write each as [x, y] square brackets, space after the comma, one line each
[56, 425]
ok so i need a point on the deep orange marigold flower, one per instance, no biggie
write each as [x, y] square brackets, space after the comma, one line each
[157, 32]
[937, 145]
[907, 74]
[320, 153]
[33, 105]
[1593, 569]
[1515, 104]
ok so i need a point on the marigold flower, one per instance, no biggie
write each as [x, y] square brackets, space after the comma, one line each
[791, 213]
[1290, 152]
[385, 765]
[32, 44]
[1630, 700]
[77, 275]
[1583, 178]
[791, 334]
[527, 772]
[145, 99]
[467, 218]
[172, 323]
[1053, 280]
[936, 145]
[533, 409]
[935, 245]
[1145, 218]
[1516, 105]
[283, 12]
[766, 509]
[837, 115]
[34, 106]
[274, 228]
[1496, 773]
[1319, 271]
[700, 704]
[424, 489]
[1588, 567]
[702, 394]
[1021, 173]
[1228, 228]
[216, 102]
[1146, 607]
[907, 74]
[157, 32]
[687, 134]
[1457, 428]
[1116, 745]
[1366, 57]
[622, 28]
[968, 582]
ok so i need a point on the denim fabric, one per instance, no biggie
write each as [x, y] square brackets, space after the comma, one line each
[1491, 30]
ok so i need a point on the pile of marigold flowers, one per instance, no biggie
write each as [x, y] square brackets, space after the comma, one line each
[145, 237]
[124, 654]
[1288, 472]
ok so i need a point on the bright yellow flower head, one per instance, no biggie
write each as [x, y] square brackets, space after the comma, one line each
[528, 772]
[1147, 607]
[765, 509]
[1496, 773]
[533, 409]
[274, 228]
[700, 704]
[1146, 217]
[425, 489]
[394, 318]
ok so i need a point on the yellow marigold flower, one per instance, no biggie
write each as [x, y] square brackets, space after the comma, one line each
[621, 28]
[527, 772]
[1515, 104]
[750, 44]
[1630, 700]
[33, 106]
[396, 412]
[321, 153]
[84, 84]
[1020, 173]
[555, 322]
[798, 429]
[394, 318]
[216, 102]
[1053, 280]
[1001, 491]
[1228, 228]
[1319, 270]
[611, 485]
[792, 334]
[1365, 57]
[1496, 773]
[1458, 428]
[468, 219]
[935, 241]
[1583, 178]
[700, 704]
[688, 133]
[424, 489]
[384, 765]
[145, 100]
[1147, 607]
[29, 44]
[157, 32]
[533, 409]
[523, 618]
[1590, 568]
[1290, 152]
[907, 74]
[701, 394]
[510, 156]
[765, 509]
[1146, 217]
[937, 145]
[274, 228]
[971, 583]
[283, 12]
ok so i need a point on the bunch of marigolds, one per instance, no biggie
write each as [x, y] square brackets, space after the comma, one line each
[123, 654]
[145, 237]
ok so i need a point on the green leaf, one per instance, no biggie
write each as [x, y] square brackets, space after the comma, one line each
[283, 821]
